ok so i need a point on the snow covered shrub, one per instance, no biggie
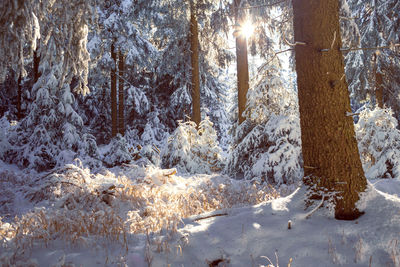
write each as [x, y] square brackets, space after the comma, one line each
[282, 161]
[52, 134]
[267, 144]
[145, 148]
[81, 211]
[379, 143]
[192, 150]
[89, 153]
[118, 152]
[270, 151]
[178, 151]
[151, 153]
[9, 180]
[269, 95]
[154, 131]
[89, 146]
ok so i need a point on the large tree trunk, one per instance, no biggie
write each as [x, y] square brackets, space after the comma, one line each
[241, 63]
[114, 129]
[121, 118]
[194, 46]
[330, 152]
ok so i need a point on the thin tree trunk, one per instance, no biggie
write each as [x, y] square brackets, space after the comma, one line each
[36, 62]
[194, 46]
[330, 152]
[19, 98]
[121, 99]
[378, 83]
[379, 89]
[114, 129]
[242, 64]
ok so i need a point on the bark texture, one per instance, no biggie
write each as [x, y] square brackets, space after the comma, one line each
[36, 62]
[379, 89]
[378, 83]
[194, 46]
[19, 98]
[242, 64]
[121, 117]
[330, 152]
[114, 128]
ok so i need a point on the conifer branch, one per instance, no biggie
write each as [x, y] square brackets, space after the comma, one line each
[392, 46]
[263, 5]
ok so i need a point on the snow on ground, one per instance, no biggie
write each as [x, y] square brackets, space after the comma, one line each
[134, 216]
[259, 235]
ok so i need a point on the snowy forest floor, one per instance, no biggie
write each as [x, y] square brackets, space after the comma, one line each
[136, 216]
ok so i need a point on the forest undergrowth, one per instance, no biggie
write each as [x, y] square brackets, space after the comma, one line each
[80, 207]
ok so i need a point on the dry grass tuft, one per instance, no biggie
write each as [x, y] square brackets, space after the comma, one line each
[157, 207]
[85, 207]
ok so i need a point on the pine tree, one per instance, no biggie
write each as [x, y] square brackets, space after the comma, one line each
[377, 81]
[53, 133]
[24, 22]
[120, 20]
[19, 26]
[330, 153]
[174, 73]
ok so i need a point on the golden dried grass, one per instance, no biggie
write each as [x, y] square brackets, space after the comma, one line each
[135, 206]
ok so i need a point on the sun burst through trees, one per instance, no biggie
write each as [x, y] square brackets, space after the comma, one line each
[244, 29]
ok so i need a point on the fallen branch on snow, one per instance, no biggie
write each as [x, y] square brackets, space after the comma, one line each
[210, 216]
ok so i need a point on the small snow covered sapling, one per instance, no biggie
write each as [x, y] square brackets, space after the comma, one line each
[379, 143]
[118, 152]
[193, 150]
[270, 150]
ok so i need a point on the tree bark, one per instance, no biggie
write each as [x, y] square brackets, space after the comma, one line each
[36, 62]
[194, 46]
[330, 152]
[114, 129]
[19, 98]
[242, 64]
[121, 118]
[378, 83]
[379, 89]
